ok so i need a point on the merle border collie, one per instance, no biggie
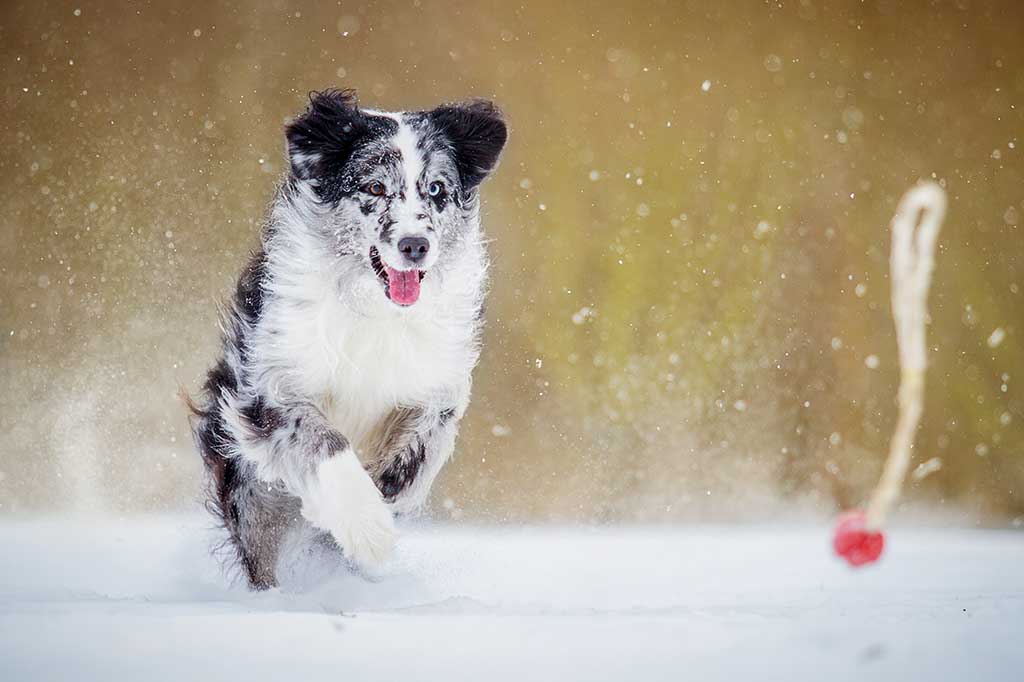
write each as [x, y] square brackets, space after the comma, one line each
[349, 344]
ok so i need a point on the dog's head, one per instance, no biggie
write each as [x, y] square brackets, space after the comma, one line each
[398, 190]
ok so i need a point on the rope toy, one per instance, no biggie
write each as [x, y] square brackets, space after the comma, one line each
[915, 228]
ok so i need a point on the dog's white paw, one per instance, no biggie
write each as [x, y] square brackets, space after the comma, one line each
[371, 542]
[344, 501]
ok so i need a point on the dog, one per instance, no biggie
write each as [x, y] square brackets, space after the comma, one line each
[349, 344]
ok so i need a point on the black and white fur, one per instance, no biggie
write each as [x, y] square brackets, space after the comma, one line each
[333, 407]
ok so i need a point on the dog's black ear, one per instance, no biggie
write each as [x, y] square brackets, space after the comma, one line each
[477, 133]
[322, 137]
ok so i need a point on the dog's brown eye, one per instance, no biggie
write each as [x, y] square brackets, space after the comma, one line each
[375, 188]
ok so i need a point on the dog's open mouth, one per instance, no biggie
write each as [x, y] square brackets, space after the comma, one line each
[401, 286]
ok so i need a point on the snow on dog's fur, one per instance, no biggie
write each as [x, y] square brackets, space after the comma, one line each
[349, 344]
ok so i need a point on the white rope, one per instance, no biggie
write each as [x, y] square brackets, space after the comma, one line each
[915, 228]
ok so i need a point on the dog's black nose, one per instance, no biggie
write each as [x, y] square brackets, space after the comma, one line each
[414, 248]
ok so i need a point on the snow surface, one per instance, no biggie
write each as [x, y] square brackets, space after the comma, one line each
[143, 599]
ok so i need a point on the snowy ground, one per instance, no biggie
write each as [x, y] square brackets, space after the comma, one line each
[141, 599]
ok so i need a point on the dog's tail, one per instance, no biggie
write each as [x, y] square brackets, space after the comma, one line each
[200, 423]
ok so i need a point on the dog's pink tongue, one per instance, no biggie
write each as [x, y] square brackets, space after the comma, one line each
[403, 286]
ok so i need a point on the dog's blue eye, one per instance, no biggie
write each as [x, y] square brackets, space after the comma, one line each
[435, 189]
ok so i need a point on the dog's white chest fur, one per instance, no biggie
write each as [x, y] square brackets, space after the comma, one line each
[359, 356]
[366, 367]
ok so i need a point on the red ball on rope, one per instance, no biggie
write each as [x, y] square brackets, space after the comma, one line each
[855, 542]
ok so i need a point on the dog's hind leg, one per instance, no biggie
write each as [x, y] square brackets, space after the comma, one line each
[262, 516]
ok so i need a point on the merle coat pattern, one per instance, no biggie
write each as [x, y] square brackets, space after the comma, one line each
[350, 341]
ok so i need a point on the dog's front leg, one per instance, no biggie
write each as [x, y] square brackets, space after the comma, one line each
[295, 444]
[414, 445]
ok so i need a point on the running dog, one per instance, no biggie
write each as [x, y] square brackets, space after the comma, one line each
[348, 347]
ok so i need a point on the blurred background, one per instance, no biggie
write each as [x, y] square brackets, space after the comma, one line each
[689, 317]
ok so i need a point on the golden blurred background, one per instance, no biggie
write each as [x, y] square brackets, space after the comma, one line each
[689, 316]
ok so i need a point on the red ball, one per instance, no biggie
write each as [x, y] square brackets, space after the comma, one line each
[854, 542]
